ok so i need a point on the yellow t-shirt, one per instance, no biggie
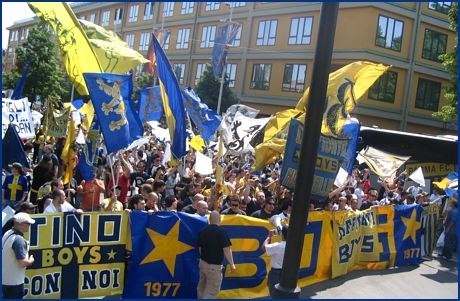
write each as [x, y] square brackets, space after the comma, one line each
[118, 206]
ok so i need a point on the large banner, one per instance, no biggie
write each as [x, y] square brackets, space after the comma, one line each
[56, 121]
[165, 256]
[17, 112]
[82, 255]
[76, 255]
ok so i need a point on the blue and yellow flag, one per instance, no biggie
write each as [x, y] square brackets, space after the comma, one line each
[172, 101]
[164, 254]
[407, 232]
[77, 53]
[87, 162]
[111, 96]
[449, 184]
[150, 104]
[206, 120]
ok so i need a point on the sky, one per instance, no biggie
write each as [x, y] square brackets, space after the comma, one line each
[11, 12]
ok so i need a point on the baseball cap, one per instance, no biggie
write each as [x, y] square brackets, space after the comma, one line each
[16, 165]
[27, 206]
[23, 218]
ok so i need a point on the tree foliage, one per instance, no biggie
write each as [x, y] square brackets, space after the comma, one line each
[450, 61]
[44, 78]
[208, 87]
[145, 80]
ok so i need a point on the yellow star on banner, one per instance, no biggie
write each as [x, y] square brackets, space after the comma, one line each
[166, 248]
[111, 254]
[297, 154]
[412, 225]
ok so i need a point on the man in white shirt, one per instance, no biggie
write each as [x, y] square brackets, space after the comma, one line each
[59, 203]
[276, 253]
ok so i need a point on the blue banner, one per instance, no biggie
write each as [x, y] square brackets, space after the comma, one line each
[206, 120]
[407, 232]
[12, 149]
[87, 162]
[333, 153]
[165, 255]
[20, 85]
[150, 104]
[111, 96]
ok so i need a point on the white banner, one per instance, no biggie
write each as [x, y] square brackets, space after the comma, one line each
[18, 113]
[241, 132]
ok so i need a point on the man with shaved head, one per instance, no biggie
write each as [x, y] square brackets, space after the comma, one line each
[192, 208]
[213, 244]
[202, 208]
[152, 202]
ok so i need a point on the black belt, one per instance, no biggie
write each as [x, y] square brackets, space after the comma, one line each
[273, 269]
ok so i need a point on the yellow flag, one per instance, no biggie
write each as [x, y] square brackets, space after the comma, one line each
[278, 121]
[77, 53]
[197, 143]
[220, 153]
[345, 87]
[68, 153]
[113, 53]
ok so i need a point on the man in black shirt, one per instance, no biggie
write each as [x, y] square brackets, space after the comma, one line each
[213, 243]
[267, 210]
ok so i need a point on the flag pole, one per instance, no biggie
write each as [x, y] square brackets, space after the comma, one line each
[71, 94]
[222, 78]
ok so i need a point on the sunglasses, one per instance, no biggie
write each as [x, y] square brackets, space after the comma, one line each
[373, 195]
[271, 204]
[235, 205]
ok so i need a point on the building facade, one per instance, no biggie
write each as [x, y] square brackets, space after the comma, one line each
[271, 59]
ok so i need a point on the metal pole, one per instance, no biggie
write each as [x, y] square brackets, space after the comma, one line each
[222, 79]
[287, 288]
[71, 94]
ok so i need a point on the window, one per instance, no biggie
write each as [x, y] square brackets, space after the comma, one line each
[118, 15]
[179, 70]
[12, 36]
[212, 6]
[83, 18]
[105, 18]
[237, 40]
[148, 11]
[169, 9]
[266, 34]
[133, 12]
[16, 34]
[389, 33]
[199, 69]
[428, 93]
[140, 69]
[442, 7]
[92, 18]
[182, 38]
[130, 40]
[144, 42]
[300, 32]
[23, 34]
[27, 33]
[231, 72]
[294, 78]
[166, 45]
[260, 79]
[207, 36]
[187, 8]
[10, 52]
[238, 4]
[384, 88]
[434, 45]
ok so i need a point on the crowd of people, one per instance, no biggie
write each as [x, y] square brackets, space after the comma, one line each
[143, 179]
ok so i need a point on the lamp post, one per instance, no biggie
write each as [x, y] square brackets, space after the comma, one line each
[222, 78]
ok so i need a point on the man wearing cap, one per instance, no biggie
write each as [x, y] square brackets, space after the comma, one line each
[112, 203]
[276, 253]
[15, 257]
[15, 187]
[26, 207]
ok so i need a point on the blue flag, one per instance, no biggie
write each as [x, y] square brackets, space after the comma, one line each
[407, 232]
[150, 104]
[111, 96]
[206, 120]
[222, 45]
[333, 153]
[351, 131]
[87, 162]
[13, 149]
[172, 101]
[20, 85]
[164, 247]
